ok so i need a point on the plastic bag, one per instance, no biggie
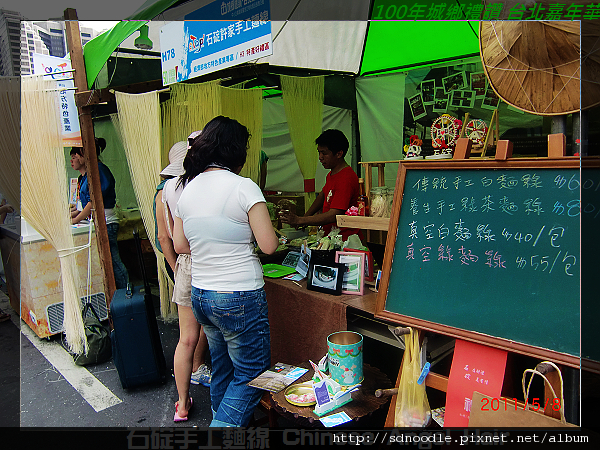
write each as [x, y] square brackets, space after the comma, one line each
[354, 242]
[412, 406]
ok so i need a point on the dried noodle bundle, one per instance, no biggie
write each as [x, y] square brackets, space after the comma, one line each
[139, 125]
[44, 194]
[245, 106]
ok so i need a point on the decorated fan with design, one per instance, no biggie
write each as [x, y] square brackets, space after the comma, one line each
[476, 130]
[445, 131]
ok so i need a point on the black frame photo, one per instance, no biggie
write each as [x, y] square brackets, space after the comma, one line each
[440, 101]
[325, 277]
[417, 107]
[428, 91]
[454, 82]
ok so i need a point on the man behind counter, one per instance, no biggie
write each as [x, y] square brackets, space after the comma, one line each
[341, 188]
[107, 185]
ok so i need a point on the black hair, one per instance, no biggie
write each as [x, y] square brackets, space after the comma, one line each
[334, 140]
[223, 142]
[100, 145]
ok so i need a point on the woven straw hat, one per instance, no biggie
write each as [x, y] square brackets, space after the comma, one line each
[535, 65]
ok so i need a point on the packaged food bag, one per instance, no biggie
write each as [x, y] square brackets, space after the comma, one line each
[412, 406]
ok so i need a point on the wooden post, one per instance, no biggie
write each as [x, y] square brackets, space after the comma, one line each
[493, 133]
[464, 126]
[89, 153]
[381, 174]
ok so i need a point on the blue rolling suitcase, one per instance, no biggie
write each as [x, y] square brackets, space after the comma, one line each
[136, 346]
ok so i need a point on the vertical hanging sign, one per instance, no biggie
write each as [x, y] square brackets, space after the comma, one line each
[58, 70]
[228, 34]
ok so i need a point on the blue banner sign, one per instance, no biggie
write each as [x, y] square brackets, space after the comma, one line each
[194, 48]
[222, 34]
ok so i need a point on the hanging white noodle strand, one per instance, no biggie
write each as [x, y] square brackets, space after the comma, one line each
[44, 194]
[303, 103]
[139, 125]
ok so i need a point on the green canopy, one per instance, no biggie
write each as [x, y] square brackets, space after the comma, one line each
[97, 51]
[389, 45]
[401, 44]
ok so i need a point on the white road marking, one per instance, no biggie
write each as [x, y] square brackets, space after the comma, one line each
[91, 389]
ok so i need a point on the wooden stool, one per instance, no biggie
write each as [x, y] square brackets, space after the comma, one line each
[266, 407]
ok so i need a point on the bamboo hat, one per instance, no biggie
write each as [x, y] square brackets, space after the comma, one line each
[535, 66]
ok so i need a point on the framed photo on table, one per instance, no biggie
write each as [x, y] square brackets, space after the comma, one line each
[326, 278]
[369, 274]
[353, 281]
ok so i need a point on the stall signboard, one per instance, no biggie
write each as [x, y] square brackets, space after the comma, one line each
[232, 10]
[58, 69]
[237, 33]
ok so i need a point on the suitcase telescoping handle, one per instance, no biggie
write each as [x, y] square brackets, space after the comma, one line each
[138, 245]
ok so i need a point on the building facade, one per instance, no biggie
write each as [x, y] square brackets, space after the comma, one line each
[20, 39]
[10, 43]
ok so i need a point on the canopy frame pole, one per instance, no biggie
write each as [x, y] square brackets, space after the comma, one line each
[89, 146]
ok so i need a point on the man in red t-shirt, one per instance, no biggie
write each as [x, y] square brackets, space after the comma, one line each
[340, 191]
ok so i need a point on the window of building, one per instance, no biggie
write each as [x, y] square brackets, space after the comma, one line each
[54, 30]
[86, 34]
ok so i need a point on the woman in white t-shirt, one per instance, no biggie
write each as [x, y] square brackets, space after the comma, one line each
[218, 218]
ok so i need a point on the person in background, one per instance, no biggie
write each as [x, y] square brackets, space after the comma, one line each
[218, 218]
[5, 209]
[341, 188]
[190, 355]
[109, 197]
[262, 170]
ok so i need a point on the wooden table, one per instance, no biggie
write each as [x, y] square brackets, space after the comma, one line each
[363, 404]
[300, 320]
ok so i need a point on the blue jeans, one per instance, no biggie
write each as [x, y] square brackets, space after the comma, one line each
[121, 275]
[237, 327]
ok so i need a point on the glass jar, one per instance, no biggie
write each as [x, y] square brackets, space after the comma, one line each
[379, 201]
[389, 198]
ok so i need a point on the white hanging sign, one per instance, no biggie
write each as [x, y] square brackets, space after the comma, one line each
[57, 69]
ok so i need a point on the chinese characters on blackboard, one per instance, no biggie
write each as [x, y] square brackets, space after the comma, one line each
[451, 213]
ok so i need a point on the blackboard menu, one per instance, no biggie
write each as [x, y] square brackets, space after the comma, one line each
[491, 248]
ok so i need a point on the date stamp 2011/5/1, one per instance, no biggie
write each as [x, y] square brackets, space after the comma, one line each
[495, 404]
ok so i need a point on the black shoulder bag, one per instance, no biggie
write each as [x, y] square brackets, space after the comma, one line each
[98, 339]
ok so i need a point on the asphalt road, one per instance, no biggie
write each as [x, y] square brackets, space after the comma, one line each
[56, 393]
